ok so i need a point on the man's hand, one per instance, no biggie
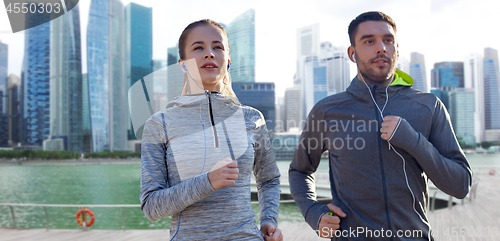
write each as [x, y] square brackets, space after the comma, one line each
[224, 176]
[271, 233]
[328, 224]
[388, 126]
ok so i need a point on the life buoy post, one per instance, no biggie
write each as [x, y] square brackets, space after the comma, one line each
[83, 220]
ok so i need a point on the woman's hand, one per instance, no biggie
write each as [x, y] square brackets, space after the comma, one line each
[225, 175]
[271, 233]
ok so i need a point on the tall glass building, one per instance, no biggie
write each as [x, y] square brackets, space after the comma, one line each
[491, 89]
[86, 124]
[418, 73]
[292, 108]
[338, 71]
[139, 34]
[4, 51]
[314, 84]
[462, 114]
[14, 110]
[473, 78]
[35, 79]
[241, 34]
[447, 76]
[139, 41]
[172, 55]
[261, 96]
[66, 80]
[308, 44]
[106, 59]
[4, 60]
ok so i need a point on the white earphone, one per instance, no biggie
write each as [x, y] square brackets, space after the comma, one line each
[354, 59]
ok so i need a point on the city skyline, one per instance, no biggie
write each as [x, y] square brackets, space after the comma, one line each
[441, 25]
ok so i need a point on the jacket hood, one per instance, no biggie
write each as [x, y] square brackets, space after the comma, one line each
[359, 90]
[402, 78]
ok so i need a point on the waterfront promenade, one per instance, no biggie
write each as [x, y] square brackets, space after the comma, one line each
[476, 220]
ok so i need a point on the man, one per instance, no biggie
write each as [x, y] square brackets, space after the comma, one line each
[384, 141]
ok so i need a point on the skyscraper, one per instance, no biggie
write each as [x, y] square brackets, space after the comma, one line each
[259, 95]
[447, 76]
[86, 123]
[4, 56]
[66, 80]
[35, 79]
[324, 74]
[403, 64]
[418, 73]
[241, 34]
[338, 70]
[473, 78]
[307, 45]
[139, 33]
[172, 55]
[106, 59]
[314, 84]
[292, 108]
[462, 114]
[14, 110]
[491, 89]
[4, 60]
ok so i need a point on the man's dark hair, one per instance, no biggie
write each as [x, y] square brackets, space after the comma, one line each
[368, 16]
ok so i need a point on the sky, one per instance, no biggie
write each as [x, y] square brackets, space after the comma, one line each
[442, 30]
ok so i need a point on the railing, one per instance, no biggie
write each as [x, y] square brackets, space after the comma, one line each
[82, 206]
[472, 195]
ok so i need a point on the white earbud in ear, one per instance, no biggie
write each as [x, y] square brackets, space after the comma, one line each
[353, 58]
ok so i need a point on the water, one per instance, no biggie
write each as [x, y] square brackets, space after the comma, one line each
[83, 184]
[111, 184]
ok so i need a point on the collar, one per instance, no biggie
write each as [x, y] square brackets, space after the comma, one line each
[194, 100]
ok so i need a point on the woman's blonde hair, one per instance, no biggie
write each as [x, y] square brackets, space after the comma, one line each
[227, 89]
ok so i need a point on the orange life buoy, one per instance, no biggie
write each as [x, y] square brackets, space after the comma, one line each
[87, 211]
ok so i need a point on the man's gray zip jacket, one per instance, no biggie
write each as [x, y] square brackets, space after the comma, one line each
[367, 179]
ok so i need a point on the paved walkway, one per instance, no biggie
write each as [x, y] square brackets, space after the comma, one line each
[291, 231]
[476, 220]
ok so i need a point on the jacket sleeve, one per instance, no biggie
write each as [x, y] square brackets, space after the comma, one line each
[158, 198]
[441, 157]
[305, 162]
[267, 176]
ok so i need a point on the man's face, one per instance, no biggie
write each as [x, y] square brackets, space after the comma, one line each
[376, 51]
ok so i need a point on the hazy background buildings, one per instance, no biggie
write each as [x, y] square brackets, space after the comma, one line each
[71, 90]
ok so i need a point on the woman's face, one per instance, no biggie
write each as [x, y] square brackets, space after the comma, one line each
[208, 46]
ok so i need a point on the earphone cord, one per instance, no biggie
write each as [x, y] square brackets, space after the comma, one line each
[390, 145]
[202, 120]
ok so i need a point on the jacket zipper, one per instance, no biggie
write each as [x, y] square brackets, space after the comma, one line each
[384, 186]
[216, 139]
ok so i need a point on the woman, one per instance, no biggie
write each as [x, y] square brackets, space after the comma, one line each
[198, 153]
